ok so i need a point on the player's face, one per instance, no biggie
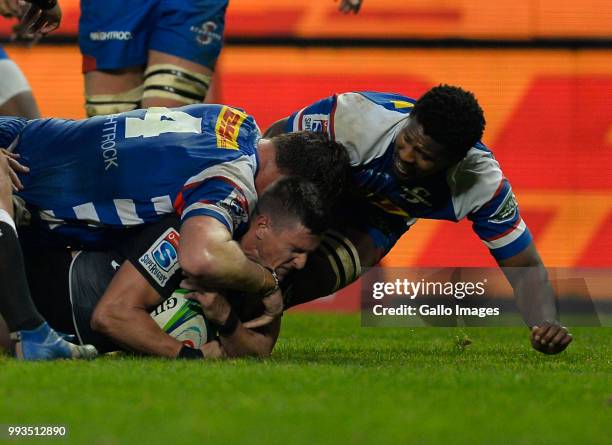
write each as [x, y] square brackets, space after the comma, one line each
[286, 249]
[417, 155]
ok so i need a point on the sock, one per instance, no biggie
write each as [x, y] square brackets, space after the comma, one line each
[16, 305]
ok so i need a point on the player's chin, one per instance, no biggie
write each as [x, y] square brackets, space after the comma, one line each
[403, 173]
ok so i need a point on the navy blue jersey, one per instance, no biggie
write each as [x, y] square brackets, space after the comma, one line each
[124, 170]
[475, 188]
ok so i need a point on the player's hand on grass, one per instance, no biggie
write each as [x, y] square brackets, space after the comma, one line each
[550, 338]
[347, 6]
[12, 167]
[36, 22]
[215, 306]
[273, 308]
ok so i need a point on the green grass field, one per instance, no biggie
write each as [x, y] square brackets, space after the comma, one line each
[331, 381]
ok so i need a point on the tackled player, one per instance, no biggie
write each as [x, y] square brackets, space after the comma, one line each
[205, 162]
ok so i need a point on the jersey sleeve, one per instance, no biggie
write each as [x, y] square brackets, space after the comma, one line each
[153, 251]
[499, 224]
[224, 191]
[315, 117]
[481, 193]
[365, 123]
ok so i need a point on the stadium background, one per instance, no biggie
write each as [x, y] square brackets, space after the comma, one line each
[542, 70]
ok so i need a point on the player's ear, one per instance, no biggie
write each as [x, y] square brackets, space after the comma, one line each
[262, 225]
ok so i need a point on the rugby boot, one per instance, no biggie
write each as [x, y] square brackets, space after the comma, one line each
[44, 343]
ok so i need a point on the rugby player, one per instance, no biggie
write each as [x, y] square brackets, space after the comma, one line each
[148, 52]
[92, 179]
[421, 159]
[67, 286]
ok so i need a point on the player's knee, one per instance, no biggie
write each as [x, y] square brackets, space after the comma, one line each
[103, 104]
[170, 82]
[334, 265]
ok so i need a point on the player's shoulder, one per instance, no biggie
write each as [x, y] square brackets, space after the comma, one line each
[474, 180]
[367, 123]
[376, 101]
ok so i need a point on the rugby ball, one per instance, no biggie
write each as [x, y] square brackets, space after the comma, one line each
[183, 319]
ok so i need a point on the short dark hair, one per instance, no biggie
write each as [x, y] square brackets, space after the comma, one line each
[295, 199]
[315, 157]
[450, 116]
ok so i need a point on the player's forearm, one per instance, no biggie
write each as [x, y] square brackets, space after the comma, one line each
[247, 343]
[534, 295]
[251, 342]
[231, 270]
[533, 292]
[134, 329]
[211, 259]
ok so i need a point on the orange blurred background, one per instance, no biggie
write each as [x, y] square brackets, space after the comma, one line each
[501, 19]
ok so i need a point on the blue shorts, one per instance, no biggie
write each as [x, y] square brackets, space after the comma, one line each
[3, 54]
[116, 34]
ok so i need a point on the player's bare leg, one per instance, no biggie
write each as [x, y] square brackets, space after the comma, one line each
[113, 91]
[22, 104]
[172, 81]
[337, 262]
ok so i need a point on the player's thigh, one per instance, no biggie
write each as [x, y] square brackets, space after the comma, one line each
[114, 40]
[344, 253]
[22, 104]
[338, 261]
[172, 81]
[15, 93]
[184, 49]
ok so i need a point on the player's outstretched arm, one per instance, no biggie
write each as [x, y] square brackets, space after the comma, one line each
[122, 315]
[237, 340]
[536, 300]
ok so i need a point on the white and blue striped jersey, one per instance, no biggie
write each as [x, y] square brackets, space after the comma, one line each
[475, 188]
[118, 171]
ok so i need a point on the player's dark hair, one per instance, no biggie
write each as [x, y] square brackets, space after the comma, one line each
[451, 116]
[295, 199]
[315, 157]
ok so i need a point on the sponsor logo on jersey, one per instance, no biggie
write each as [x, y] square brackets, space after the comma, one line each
[161, 260]
[228, 127]
[416, 195]
[110, 35]
[206, 33]
[316, 122]
[108, 144]
[236, 204]
[506, 211]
